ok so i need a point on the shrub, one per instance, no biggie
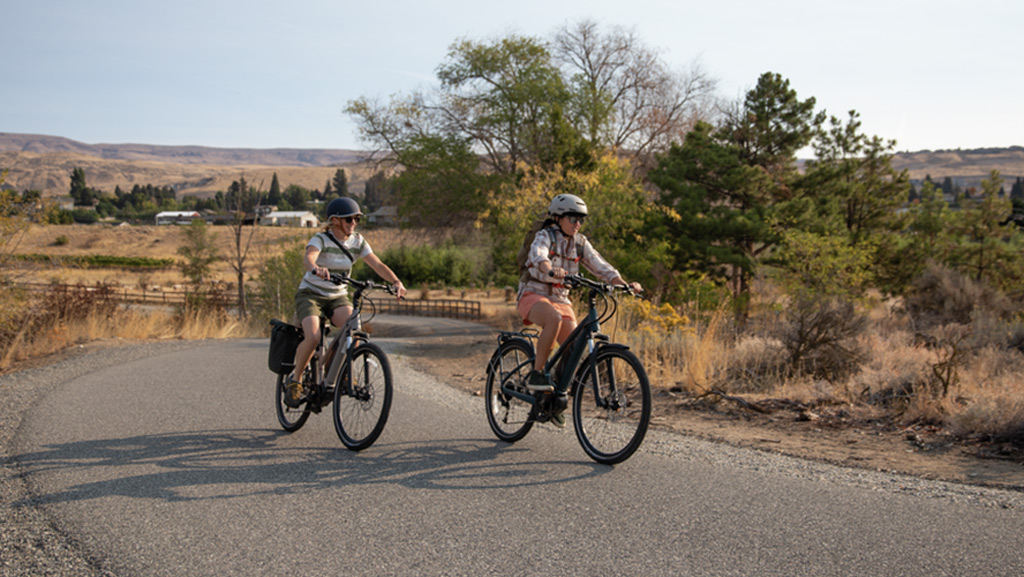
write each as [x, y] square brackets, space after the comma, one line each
[820, 335]
[942, 296]
[447, 265]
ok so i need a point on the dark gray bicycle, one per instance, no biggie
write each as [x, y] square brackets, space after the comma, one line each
[349, 370]
[611, 406]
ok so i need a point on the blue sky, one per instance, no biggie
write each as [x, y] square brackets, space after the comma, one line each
[931, 74]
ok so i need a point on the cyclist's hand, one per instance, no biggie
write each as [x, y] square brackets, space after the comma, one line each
[636, 288]
[557, 272]
[322, 272]
[399, 290]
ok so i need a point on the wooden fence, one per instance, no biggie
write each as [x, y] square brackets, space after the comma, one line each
[449, 308]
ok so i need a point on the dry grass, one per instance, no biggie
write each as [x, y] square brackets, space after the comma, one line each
[901, 378]
[163, 242]
[122, 324]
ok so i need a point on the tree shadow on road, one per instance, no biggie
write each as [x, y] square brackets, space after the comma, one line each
[224, 464]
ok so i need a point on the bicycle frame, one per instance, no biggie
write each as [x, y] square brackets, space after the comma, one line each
[581, 338]
[351, 333]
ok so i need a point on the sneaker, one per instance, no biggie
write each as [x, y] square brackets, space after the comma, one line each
[537, 382]
[558, 420]
[293, 394]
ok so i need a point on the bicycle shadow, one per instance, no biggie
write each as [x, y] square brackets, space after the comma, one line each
[228, 464]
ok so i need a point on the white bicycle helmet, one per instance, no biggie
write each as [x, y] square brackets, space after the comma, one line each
[567, 204]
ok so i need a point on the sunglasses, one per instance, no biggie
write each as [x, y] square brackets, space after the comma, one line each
[576, 218]
[350, 219]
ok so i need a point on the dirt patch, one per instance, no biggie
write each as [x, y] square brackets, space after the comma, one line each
[840, 435]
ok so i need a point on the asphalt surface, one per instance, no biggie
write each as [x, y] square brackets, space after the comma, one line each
[172, 463]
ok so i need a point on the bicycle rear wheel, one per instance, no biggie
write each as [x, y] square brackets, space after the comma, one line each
[291, 419]
[612, 405]
[362, 397]
[509, 415]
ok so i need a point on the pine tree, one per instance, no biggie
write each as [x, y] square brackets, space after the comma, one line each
[341, 182]
[274, 196]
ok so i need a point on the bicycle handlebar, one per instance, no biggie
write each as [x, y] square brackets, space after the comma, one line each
[363, 284]
[575, 280]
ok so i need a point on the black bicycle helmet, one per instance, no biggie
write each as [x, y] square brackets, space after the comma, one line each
[342, 207]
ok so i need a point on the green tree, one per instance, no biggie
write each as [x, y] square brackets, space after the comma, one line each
[297, 197]
[80, 191]
[925, 238]
[442, 184]
[199, 251]
[340, 183]
[853, 181]
[505, 99]
[276, 283]
[379, 191]
[989, 246]
[274, 194]
[734, 189]
[718, 227]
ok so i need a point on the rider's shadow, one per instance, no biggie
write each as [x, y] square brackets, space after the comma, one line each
[227, 464]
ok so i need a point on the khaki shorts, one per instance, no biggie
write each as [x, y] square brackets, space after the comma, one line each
[311, 304]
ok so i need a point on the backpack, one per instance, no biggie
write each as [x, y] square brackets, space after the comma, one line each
[524, 249]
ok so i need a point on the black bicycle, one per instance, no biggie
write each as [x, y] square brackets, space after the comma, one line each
[611, 406]
[351, 371]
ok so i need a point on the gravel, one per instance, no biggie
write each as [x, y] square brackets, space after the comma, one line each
[30, 544]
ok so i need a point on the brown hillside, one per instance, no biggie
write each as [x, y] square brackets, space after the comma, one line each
[51, 174]
[45, 163]
[962, 163]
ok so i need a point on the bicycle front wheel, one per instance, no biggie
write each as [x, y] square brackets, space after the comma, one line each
[508, 415]
[612, 405]
[362, 397]
[291, 419]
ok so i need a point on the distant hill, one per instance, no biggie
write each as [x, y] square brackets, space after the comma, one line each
[41, 144]
[45, 163]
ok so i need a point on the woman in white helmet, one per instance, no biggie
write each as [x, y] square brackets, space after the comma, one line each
[557, 250]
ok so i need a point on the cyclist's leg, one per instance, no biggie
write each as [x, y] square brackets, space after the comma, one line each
[341, 314]
[568, 326]
[307, 310]
[549, 319]
[311, 336]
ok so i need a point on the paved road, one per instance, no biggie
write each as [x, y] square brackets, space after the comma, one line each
[174, 465]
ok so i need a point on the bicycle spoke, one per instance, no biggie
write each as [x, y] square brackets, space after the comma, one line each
[612, 406]
[507, 414]
[362, 397]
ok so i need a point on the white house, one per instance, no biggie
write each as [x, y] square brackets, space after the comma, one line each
[176, 217]
[301, 218]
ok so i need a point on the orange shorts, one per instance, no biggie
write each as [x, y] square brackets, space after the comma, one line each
[529, 299]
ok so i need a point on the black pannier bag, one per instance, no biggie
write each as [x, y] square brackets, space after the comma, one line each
[284, 339]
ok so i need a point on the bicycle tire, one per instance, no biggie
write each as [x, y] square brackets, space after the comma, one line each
[508, 415]
[612, 406]
[291, 419]
[361, 410]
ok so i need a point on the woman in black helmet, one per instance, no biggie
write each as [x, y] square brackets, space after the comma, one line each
[334, 250]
